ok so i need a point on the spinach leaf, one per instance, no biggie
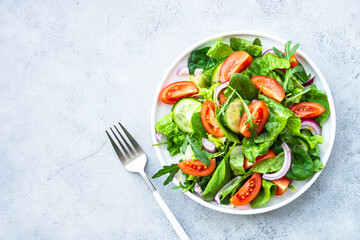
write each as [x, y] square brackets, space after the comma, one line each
[258, 145]
[318, 166]
[267, 191]
[232, 137]
[263, 65]
[171, 169]
[199, 154]
[269, 165]
[199, 59]
[175, 137]
[257, 42]
[290, 83]
[219, 50]
[243, 86]
[238, 44]
[236, 185]
[237, 161]
[302, 76]
[220, 177]
[197, 125]
[317, 96]
[301, 164]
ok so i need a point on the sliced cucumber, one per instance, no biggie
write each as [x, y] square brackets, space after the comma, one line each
[298, 142]
[183, 111]
[232, 114]
[215, 78]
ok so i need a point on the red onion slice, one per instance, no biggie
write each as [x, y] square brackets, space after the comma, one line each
[311, 125]
[208, 145]
[198, 71]
[309, 82]
[218, 195]
[284, 169]
[158, 136]
[217, 92]
[183, 71]
[197, 189]
[270, 50]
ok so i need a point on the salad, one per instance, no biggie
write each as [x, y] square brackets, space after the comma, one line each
[245, 125]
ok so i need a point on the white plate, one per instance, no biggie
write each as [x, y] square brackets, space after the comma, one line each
[160, 109]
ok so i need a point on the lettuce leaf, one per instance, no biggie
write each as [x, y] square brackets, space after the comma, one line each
[263, 65]
[219, 51]
[238, 44]
[269, 165]
[317, 96]
[175, 137]
[237, 161]
[301, 164]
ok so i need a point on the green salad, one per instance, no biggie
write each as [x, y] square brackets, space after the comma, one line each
[245, 124]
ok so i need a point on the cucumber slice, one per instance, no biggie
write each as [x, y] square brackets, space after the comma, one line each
[298, 142]
[215, 78]
[183, 111]
[232, 114]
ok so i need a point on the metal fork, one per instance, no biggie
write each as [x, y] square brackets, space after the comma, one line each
[134, 160]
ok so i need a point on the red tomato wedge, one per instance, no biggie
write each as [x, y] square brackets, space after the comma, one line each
[269, 87]
[248, 191]
[269, 154]
[177, 90]
[260, 111]
[281, 184]
[235, 63]
[307, 110]
[209, 121]
[197, 168]
[222, 97]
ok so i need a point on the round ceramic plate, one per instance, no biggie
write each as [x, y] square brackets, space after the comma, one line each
[160, 109]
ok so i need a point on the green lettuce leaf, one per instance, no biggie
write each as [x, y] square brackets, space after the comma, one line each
[175, 137]
[317, 96]
[199, 59]
[238, 44]
[277, 120]
[267, 191]
[219, 50]
[269, 165]
[263, 65]
[237, 161]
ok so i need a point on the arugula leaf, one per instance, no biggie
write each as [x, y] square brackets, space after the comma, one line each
[290, 85]
[317, 96]
[238, 44]
[197, 125]
[199, 59]
[184, 146]
[220, 177]
[232, 188]
[219, 50]
[237, 161]
[273, 164]
[267, 191]
[199, 154]
[171, 169]
[298, 93]
[292, 188]
[188, 185]
[288, 51]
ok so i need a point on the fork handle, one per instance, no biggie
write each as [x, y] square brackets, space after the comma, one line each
[174, 222]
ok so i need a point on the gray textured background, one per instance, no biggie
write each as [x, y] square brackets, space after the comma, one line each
[70, 69]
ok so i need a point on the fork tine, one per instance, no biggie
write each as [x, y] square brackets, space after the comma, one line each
[116, 148]
[132, 140]
[126, 142]
[127, 154]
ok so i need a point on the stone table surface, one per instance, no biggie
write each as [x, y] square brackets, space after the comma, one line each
[70, 69]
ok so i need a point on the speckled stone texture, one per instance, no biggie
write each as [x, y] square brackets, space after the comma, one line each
[70, 69]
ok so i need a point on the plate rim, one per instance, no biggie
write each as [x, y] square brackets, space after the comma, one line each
[332, 116]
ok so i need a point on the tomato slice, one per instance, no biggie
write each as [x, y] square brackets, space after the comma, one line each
[197, 168]
[209, 121]
[235, 63]
[269, 87]
[269, 154]
[177, 90]
[260, 111]
[307, 110]
[281, 184]
[222, 97]
[248, 191]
